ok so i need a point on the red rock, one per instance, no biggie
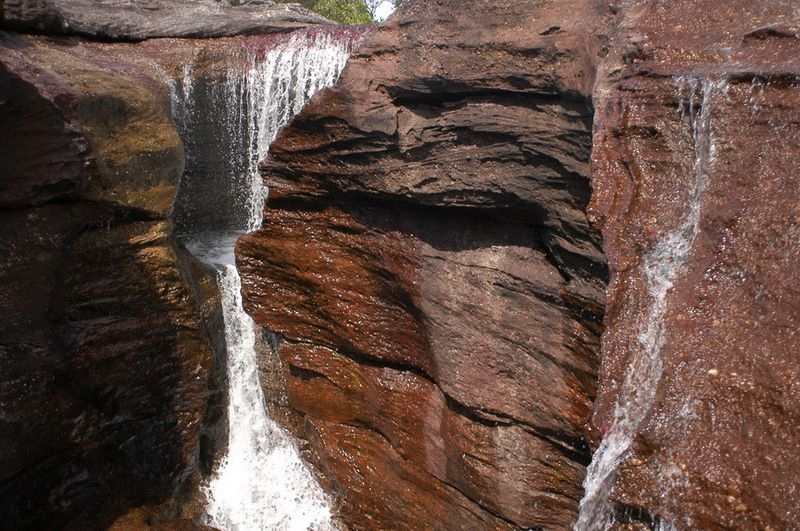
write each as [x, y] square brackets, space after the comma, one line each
[150, 19]
[717, 447]
[109, 381]
[426, 261]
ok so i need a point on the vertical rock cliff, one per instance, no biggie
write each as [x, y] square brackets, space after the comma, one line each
[111, 353]
[430, 289]
[695, 171]
[108, 373]
[429, 272]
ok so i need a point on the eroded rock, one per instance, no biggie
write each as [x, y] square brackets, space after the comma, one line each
[695, 141]
[427, 263]
[111, 382]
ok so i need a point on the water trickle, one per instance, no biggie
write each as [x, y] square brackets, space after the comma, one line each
[661, 266]
[227, 124]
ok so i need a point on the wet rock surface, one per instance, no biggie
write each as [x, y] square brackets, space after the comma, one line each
[685, 98]
[110, 386]
[432, 285]
[427, 267]
[147, 19]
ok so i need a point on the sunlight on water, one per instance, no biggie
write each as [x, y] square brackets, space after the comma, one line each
[228, 117]
[262, 482]
[279, 84]
[661, 265]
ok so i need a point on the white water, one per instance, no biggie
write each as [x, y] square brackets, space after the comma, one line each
[662, 266]
[262, 482]
[228, 123]
[279, 84]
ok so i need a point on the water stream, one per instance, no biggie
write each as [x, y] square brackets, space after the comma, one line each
[662, 267]
[262, 482]
[227, 123]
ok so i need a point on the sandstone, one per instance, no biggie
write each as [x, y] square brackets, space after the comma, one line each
[86, 123]
[110, 391]
[430, 285]
[685, 99]
[428, 267]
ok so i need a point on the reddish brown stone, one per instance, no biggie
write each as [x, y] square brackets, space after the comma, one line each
[427, 265]
[109, 381]
[149, 19]
[718, 447]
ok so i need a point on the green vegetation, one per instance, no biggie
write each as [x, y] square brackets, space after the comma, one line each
[342, 11]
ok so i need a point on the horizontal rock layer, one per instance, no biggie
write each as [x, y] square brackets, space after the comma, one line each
[427, 266]
[148, 19]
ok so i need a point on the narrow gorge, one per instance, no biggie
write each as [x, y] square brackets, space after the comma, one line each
[485, 265]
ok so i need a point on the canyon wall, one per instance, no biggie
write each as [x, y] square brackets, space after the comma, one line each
[436, 291]
[695, 171]
[113, 20]
[429, 274]
[112, 371]
[108, 370]
[431, 288]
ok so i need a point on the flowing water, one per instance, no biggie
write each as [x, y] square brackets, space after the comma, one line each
[228, 118]
[662, 266]
[227, 126]
[262, 482]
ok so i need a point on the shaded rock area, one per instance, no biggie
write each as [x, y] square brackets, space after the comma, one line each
[429, 273]
[704, 92]
[147, 19]
[111, 384]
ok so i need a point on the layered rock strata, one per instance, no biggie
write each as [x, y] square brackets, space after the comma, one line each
[429, 273]
[148, 19]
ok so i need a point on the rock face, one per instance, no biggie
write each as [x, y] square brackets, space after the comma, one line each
[110, 386]
[429, 271]
[695, 170]
[146, 19]
[428, 276]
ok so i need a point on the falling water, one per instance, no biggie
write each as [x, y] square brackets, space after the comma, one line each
[227, 127]
[661, 265]
[228, 120]
[262, 483]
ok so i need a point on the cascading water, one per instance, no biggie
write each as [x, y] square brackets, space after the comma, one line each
[262, 483]
[661, 265]
[227, 127]
[228, 120]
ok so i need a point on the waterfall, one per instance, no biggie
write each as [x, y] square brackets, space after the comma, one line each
[661, 266]
[228, 116]
[262, 483]
[227, 122]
